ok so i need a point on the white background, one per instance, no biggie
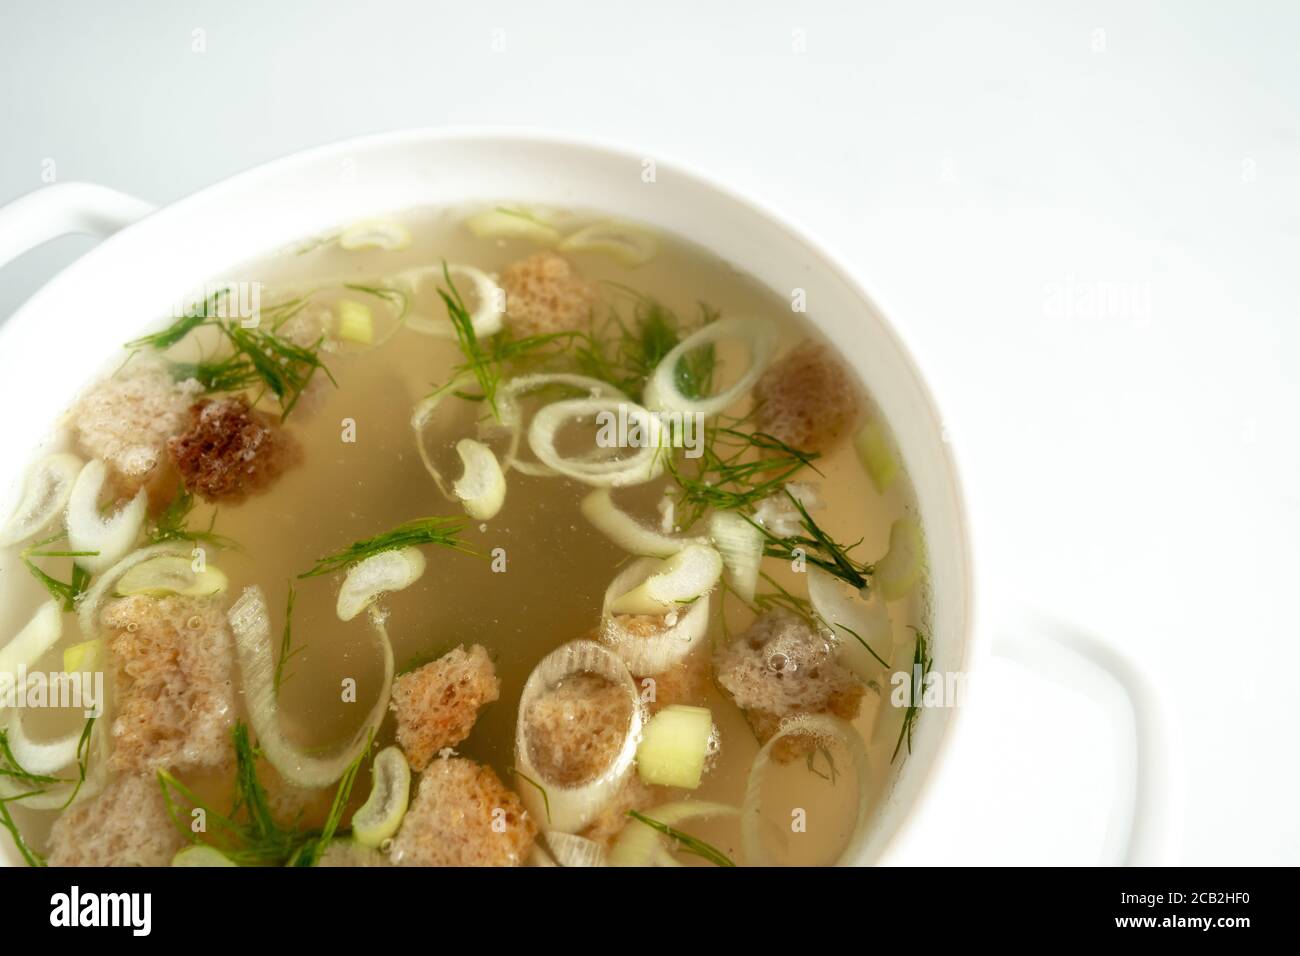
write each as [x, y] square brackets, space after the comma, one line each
[994, 177]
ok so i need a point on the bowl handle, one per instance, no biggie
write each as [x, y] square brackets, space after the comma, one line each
[65, 209]
[1137, 832]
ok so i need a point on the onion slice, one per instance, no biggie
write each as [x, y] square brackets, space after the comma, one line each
[648, 655]
[629, 245]
[41, 757]
[482, 486]
[170, 573]
[626, 532]
[663, 392]
[862, 629]
[642, 845]
[645, 464]
[741, 547]
[46, 489]
[570, 808]
[57, 796]
[390, 791]
[823, 728]
[105, 587]
[898, 571]
[38, 635]
[376, 575]
[87, 531]
[250, 622]
[489, 311]
[201, 855]
[568, 849]
[375, 234]
[681, 579]
[513, 390]
[503, 223]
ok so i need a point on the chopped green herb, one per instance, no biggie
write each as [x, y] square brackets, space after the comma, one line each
[287, 650]
[171, 524]
[65, 591]
[434, 530]
[816, 547]
[686, 842]
[921, 664]
[546, 800]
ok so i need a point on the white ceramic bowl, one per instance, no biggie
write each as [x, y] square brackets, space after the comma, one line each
[59, 340]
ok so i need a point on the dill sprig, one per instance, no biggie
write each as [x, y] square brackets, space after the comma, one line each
[686, 842]
[922, 661]
[65, 591]
[249, 835]
[29, 855]
[254, 356]
[287, 650]
[546, 800]
[816, 547]
[171, 524]
[432, 530]
[625, 353]
[13, 770]
[735, 471]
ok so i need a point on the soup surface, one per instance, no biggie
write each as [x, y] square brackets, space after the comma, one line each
[480, 436]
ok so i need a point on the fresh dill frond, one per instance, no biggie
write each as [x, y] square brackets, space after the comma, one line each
[30, 856]
[249, 835]
[832, 775]
[37, 784]
[287, 650]
[546, 800]
[922, 661]
[736, 470]
[781, 597]
[65, 591]
[816, 547]
[432, 530]
[11, 768]
[183, 325]
[171, 524]
[686, 842]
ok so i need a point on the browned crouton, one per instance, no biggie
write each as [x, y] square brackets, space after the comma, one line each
[463, 815]
[125, 825]
[686, 682]
[576, 728]
[347, 852]
[807, 399]
[231, 451]
[437, 704]
[175, 702]
[782, 666]
[545, 294]
[127, 420]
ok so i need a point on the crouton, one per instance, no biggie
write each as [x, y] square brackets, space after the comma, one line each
[545, 294]
[126, 421]
[175, 702]
[807, 398]
[576, 728]
[437, 704]
[125, 825]
[463, 815]
[347, 852]
[230, 451]
[635, 794]
[782, 666]
[686, 682]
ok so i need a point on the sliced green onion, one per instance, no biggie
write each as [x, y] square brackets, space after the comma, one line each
[825, 730]
[375, 234]
[201, 855]
[356, 322]
[376, 575]
[511, 224]
[663, 391]
[625, 531]
[85, 657]
[649, 654]
[482, 486]
[47, 487]
[645, 464]
[675, 746]
[111, 538]
[571, 808]
[37, 636]
[568, 849]
[41, 757]
[105, 587]
[642, 845]
[171, 574]
[250, 622]
[897, 572]
[877, 455]
[679, 580]
[861, 625]
[741, 547]
[629, 245]
[390, 791]
[508, 401]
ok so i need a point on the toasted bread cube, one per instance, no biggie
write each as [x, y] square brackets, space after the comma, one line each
[229, 451]
[125, 825]
[545, 294]
[807, 398]
[463, 815]
[172, 659]
[437, 704]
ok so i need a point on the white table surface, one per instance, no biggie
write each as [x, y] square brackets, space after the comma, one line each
[1086, 219]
